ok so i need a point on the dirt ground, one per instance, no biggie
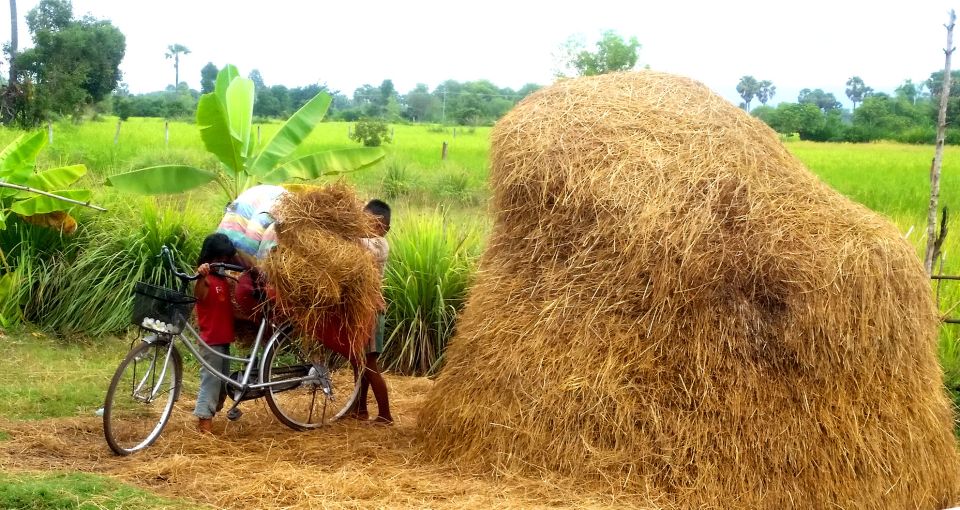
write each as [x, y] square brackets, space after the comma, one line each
[257, 462]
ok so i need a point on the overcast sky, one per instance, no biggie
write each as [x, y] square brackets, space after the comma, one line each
[797, 44]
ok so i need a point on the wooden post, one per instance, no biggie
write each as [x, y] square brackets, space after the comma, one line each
[116, 136]
[937, 164]
[166, 133]
[443, 152]
[50, 132]
[454, 133]
[258, 134]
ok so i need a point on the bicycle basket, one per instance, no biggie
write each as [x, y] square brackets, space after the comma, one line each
[159, 309]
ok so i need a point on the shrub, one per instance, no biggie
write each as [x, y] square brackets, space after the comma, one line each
[918, 135]
[370, 132]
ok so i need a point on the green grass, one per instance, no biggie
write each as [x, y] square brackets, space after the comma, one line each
[56, 491]
[890, 178]
[43, 377]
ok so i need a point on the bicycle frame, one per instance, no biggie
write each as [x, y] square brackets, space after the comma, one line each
[190, 339]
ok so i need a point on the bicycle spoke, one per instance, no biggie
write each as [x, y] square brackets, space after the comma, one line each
[297, 406]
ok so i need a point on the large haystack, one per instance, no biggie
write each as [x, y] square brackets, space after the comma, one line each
[672, 304]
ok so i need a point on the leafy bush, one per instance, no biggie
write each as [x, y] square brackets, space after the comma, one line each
[429, 271]
[918, 135]
[370, 132]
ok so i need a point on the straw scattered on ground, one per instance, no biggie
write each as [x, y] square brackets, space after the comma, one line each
[258, 463]
[671, 304]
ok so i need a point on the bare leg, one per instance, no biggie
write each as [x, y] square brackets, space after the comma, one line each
[379, 387]
[358, 410]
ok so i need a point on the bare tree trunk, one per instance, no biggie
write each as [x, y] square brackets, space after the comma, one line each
[176, 70]
[930, 254]
[13, 41]
[11, 94]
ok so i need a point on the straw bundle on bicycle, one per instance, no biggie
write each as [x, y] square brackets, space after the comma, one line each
[321, 273]
[671, 304]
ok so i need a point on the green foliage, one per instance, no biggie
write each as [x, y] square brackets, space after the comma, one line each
[18, 168]
[89, 292]
[765, 91]
[74, 62]
[796, 118]
[823, 100]
[57, 491]
[371, 132]
[208, 78]
[428, 273]
[224, 118]
[173, 103]
[613, 53]
[748, 88]
[857, 90]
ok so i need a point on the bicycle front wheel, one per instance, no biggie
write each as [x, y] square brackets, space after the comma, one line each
[141, 396]
[327, 393]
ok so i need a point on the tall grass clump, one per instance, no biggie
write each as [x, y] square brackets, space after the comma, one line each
[398, 180]
[90, 293]
[429, 271]
[29, 254]
[455, 188]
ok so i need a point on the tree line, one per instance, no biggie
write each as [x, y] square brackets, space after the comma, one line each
[908, 115]
[454, 102]
[451, 102]
[73, 70]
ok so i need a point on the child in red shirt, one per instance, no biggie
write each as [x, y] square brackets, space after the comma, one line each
[215, 318]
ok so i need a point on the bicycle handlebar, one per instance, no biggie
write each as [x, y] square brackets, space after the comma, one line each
[216, 266]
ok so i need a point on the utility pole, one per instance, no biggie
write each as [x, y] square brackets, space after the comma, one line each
[933, 244]
[443, 107]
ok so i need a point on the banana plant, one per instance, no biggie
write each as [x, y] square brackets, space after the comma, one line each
[37, 197]
[225, 120]
[41, 198]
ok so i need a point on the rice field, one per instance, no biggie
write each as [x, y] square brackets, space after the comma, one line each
[426, 192]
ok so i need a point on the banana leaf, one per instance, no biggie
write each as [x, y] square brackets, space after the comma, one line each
[42, 204]
[319, 164]
[161, 180]
[290, 135]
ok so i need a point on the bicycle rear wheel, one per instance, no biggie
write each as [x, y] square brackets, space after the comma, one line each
[141, 396]
[327, 393]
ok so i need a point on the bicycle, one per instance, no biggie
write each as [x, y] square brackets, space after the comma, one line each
[297, 381]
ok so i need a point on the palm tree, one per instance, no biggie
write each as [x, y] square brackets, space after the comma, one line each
[174, 51]
[747, 88]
